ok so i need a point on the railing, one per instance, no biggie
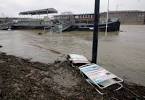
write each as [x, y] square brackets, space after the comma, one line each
[33, 23]
[5, 25]
[62, 25]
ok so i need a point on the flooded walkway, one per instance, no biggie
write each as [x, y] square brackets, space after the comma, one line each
[121, 53]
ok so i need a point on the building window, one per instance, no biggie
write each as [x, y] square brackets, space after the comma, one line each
[76, 17]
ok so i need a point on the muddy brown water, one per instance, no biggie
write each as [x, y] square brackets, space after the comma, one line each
[122, 53]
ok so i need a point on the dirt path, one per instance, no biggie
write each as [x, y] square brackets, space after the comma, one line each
[25, 80]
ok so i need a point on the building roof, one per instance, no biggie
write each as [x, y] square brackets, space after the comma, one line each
[39, 12]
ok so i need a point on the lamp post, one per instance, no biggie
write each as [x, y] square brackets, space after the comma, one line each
[95, 33]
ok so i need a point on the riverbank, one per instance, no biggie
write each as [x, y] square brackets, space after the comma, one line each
[21, 78]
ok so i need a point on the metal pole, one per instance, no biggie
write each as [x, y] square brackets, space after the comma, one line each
[95, 33]
[107, 18]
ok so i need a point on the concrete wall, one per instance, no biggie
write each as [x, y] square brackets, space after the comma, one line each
[127, 17]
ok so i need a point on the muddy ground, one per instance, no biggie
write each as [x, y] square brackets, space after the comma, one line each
[21, 79]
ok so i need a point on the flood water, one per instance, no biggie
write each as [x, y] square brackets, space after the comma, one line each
[122, 53]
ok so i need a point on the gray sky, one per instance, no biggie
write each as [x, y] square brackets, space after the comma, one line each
[13, 7]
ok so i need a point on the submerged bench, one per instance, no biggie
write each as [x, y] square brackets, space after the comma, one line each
[100, 78]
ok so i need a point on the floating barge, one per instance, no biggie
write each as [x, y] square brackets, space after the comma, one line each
[85, 22]
[111, 26]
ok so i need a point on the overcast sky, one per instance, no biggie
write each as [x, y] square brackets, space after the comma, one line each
[13, 7]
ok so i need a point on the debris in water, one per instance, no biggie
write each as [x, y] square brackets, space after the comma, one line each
[52, 50]
[39, 33]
